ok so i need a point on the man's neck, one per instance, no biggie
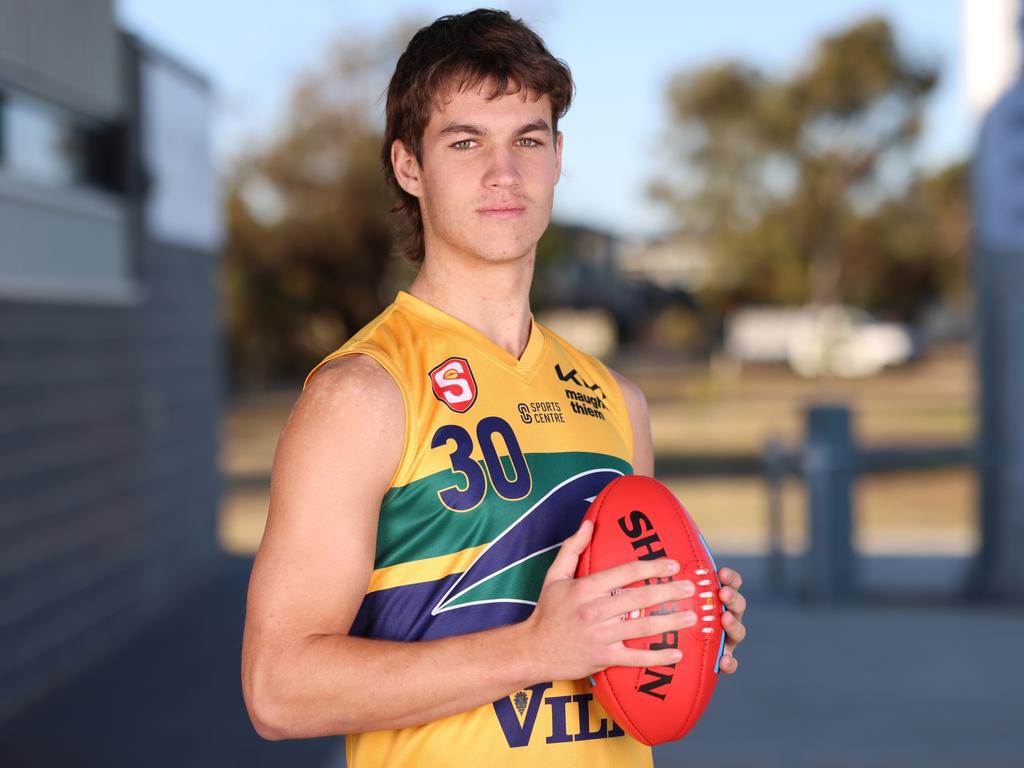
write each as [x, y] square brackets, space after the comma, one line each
[492, 298]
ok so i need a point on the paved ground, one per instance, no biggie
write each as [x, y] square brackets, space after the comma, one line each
[169, 697]
[894, 682]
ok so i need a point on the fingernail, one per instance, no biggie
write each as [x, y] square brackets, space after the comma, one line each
[672, 566]
[677, 655]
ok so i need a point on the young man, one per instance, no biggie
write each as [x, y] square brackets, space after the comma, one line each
[410, 590]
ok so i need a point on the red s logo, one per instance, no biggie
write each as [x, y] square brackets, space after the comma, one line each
[454, 384]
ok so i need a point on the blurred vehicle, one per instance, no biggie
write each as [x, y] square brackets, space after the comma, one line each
[846, 341]
[834, 340]
[761, 334]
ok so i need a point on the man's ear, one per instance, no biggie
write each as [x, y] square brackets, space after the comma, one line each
[558, 156]
[406, 168]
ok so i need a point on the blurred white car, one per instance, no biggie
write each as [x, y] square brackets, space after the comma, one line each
[846, 341]
[835, 340]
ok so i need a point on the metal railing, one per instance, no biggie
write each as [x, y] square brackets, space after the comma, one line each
[829, 462]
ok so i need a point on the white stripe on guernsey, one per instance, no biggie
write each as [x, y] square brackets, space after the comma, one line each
[449, 597]
[487, 602]
[476, 584]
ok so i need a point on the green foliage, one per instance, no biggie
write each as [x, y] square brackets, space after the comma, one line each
[310, 238]
[804, 186]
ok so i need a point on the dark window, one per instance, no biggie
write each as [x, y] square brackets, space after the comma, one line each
[47, 145]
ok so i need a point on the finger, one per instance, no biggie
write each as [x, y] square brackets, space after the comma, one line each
[565, 562]
[730, 577]
[663, 597]
[655, 625]
[624, 656]
[734, 602]
[734, 630]
[618, 576]
[728, 664]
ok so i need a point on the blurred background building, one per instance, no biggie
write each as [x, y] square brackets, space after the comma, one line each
[110, 362]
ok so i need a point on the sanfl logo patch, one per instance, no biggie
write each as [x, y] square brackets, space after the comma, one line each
[453, 384]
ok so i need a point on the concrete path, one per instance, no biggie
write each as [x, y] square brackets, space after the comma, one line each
[170, 697]
[890, 682]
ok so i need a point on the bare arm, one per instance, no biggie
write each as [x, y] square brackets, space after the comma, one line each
[640, 420]
[304, 676]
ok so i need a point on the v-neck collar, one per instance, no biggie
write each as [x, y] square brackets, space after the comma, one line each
[523, 366]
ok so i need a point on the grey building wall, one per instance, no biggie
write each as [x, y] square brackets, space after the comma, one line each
[108, 480]
[70, 529]
[179, 361]
[65, 51]
[66, 55]
[110, 380]
[63, 241]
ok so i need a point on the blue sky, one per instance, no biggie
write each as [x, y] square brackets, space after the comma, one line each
[621, 61]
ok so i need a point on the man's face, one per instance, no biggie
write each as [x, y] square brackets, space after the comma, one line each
[488, 174]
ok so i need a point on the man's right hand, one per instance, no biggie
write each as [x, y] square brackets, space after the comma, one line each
[577, 628]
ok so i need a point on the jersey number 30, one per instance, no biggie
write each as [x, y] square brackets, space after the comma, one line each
[467, 498]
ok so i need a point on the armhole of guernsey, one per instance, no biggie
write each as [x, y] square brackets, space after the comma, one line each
[382, 360]
[621, 408]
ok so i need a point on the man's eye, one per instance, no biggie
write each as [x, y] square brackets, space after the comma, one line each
[532, 142]
[462, 145]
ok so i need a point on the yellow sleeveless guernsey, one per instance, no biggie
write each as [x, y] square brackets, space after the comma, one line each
[501, 459]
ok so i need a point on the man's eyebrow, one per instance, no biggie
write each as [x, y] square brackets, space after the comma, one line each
[472, 130]
[536, 125]
[476, 130]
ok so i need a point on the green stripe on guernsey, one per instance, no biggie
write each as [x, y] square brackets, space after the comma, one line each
[521, 582]
[415, 525]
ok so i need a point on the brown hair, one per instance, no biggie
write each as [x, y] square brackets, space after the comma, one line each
[463, 51]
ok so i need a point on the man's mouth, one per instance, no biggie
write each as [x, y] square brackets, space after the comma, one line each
[502, 212]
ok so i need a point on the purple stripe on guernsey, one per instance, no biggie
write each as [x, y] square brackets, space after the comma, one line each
[403, 613]
[429, 610]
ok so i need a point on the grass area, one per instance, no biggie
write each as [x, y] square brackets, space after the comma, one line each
[735, 410]
[729, 410]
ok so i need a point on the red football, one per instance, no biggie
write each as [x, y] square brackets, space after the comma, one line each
[638, 518]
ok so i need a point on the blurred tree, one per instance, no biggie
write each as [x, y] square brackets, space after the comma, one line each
[804, 187]
[309, 235]
[913, 249]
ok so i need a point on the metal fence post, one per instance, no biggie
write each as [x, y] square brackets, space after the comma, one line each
[775, 475]
[829, 457]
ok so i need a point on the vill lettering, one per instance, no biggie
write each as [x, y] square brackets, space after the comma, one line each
[519, 734]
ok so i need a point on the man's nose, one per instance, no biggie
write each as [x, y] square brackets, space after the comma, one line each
[502, 168]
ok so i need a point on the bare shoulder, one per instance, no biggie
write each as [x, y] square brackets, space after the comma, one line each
[351, 383]
[634, 396]
[640, 421]
[350, 420]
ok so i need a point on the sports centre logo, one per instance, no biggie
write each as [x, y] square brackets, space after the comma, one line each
[453, 384]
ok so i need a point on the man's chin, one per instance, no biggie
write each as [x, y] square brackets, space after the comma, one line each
[506, 253]
[510, 256]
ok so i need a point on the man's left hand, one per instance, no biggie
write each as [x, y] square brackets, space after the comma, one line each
[732, 620]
